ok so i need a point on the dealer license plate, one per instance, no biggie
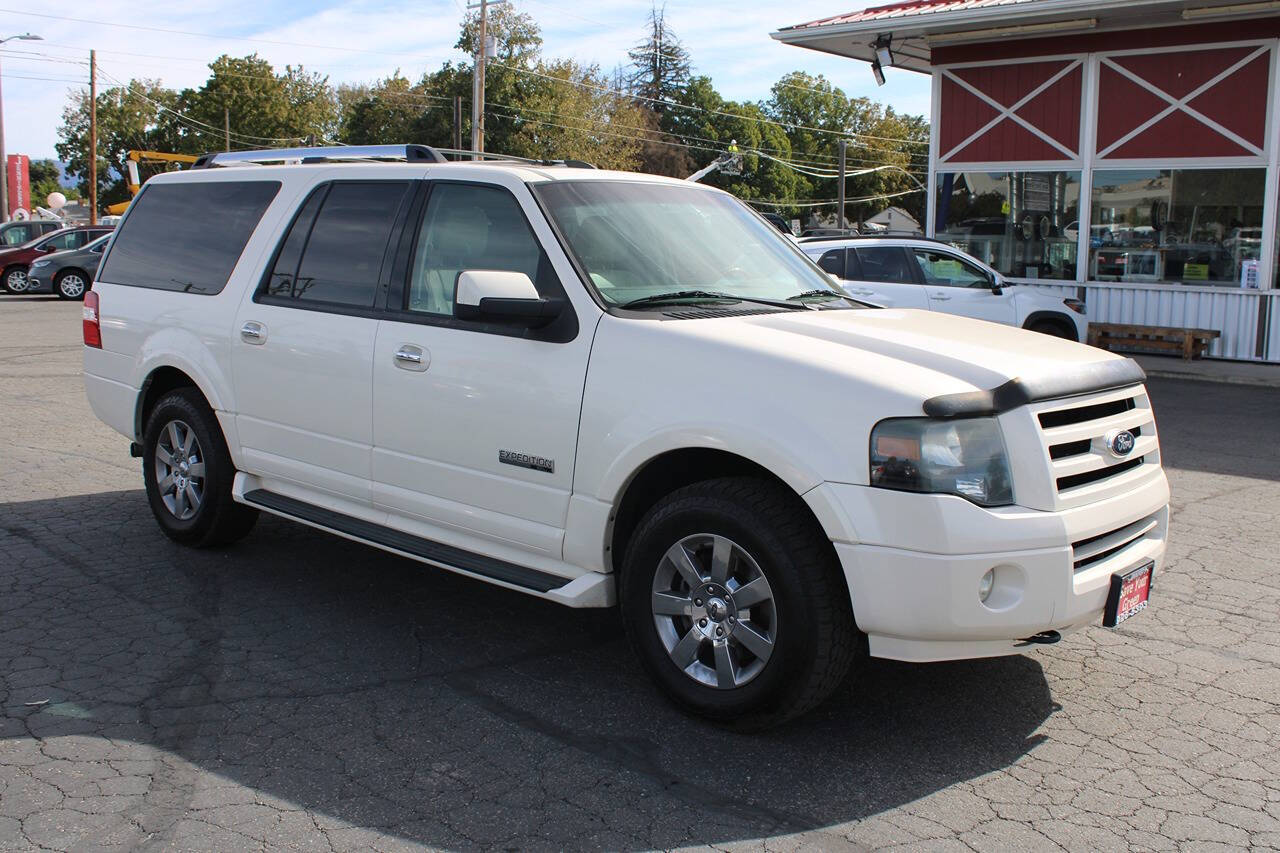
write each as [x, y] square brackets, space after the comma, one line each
[1129, 594]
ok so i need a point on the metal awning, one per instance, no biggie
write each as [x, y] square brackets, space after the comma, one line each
[913, 28]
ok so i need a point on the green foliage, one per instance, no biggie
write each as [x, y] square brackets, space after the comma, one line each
[655, 116]
[44, 175]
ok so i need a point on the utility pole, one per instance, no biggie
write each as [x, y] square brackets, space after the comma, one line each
[457, 122]
[226, 125]
[840, 190]
[93, 138]
[477, 82]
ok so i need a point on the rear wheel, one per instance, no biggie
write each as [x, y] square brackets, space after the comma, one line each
[71, 284]
[188, 473]
[735, 604]
[15, 280]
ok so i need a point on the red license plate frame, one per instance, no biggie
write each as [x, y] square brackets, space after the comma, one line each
[1130, 592]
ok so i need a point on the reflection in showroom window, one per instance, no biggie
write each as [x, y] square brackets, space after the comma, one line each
[1025, 224]
[1187, 226]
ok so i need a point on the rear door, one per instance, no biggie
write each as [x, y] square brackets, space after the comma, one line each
[957, 286]
[302, 351]
[885, 275]
[476, 424]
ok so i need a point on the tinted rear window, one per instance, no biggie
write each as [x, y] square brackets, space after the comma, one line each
[187, 237]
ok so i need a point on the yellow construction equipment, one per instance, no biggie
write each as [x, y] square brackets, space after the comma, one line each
[135, 183]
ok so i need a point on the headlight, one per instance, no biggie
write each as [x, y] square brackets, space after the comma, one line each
[1075, 305]
[41, 264]
[964, 457]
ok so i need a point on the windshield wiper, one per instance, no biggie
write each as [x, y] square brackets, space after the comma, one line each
[680, 295]
[831, 294]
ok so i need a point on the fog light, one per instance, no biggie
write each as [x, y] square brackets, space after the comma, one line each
[985, 584]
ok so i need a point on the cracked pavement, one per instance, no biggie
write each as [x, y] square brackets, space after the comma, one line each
[300, 691]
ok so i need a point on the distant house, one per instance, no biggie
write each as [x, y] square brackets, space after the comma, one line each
[893, 219]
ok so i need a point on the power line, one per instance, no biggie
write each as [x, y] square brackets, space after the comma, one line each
[665, 102]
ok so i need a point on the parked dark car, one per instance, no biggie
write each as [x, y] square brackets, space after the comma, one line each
[68, 273]
[18, 232]
[14, 262]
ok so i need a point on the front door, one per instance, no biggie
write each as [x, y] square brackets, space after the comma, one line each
[302, 347]
[956, 286]
[475, 425]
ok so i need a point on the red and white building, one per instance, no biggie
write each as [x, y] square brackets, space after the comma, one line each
[1127, 148]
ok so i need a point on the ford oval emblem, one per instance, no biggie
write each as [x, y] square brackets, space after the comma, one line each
[1121, 442]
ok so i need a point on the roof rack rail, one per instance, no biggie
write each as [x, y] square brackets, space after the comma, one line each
[325, 154]
[532, 161]
[411, 153]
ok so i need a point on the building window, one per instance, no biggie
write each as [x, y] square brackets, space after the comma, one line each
[1025, 224]
[1183, 226]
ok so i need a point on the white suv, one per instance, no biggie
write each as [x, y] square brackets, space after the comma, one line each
[916, 272]
[598, 388]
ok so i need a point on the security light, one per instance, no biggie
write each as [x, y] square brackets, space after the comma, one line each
[884, 56]
[878, 71]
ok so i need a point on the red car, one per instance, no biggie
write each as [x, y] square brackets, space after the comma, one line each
[14, 262]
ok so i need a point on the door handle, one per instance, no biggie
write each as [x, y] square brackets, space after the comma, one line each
[410, 357]
[864, 293]
[939, 297]
[253, 332]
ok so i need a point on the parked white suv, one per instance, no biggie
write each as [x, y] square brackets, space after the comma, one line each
[916, 272]
[598, 388]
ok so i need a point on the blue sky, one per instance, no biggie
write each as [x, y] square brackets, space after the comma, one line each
[357, 40]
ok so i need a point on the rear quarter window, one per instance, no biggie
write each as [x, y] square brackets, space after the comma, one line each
[186, 237]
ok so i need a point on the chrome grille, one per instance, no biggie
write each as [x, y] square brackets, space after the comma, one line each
[1075, 433]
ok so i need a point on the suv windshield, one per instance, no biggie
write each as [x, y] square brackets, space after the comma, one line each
[649, 241]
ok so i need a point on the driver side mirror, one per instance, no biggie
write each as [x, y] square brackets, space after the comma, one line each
[997, 286]
[501, 296]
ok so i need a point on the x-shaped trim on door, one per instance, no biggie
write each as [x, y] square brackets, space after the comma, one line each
[1182, 103]
[1010, 112]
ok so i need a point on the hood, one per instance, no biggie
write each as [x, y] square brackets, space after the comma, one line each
[961, 353]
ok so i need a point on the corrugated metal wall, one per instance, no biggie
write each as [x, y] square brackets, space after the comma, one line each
[1232, 311]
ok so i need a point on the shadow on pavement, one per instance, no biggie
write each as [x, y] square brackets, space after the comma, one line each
[374, 691]
[1227, 444]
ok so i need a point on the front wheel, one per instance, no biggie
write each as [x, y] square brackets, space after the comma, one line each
[71, 285]
[188, 473]
[734, 601]
[1055, 330]
[15, 280]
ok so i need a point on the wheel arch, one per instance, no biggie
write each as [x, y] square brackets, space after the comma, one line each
[672, 469]
[1055, 318]
[160, 381]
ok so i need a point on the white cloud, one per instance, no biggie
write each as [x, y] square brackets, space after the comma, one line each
[360, 40]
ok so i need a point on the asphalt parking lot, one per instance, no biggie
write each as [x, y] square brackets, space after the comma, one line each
[298, 690]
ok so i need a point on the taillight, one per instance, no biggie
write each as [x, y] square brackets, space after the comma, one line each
[92, 331]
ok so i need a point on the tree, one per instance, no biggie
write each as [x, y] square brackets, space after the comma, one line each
[383, 113]
[137, 115]
[660, 65]
[44, 176]
[263, 108]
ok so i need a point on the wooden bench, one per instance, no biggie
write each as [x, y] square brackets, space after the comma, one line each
[1192, 343]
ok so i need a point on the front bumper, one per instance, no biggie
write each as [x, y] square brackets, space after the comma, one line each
[914, 564]
[39, 281]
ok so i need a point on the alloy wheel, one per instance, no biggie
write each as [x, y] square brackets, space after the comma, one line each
[179, 470]
[714, 611]
[16, 281]
[71, 286]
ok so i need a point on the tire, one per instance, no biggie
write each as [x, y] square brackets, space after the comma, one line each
[802, 607]
[193, 505]
[15, 280]
[1052, 329]
[71, 284]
